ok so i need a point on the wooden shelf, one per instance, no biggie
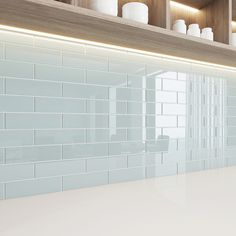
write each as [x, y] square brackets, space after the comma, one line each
[63, 19]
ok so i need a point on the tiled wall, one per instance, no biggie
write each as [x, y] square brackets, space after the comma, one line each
[75, 115]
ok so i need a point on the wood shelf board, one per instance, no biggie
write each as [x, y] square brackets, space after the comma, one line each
[66, 20]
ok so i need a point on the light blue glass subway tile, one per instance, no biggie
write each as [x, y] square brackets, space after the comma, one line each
[130, 174]
[174, 156]
[55, 73]
[2, 85]
[97, 164]
[106, 78]
[59, 168]
[15, 138]
[231, 91]
[2, 192]
[160, 145]
[136, 108]
[153, 82]
[16, 69]
[16, 103]
[60, 105]
[175, 132]
[85, 121]
[62, 136]
[122, 66]
[2, 155]
[89, 62]
[33, 154]
[33, 121]
[2, 50]
[166, 97]
[215, 163]
[2, 119]
[231, 141]
[19, 38]
[153, 159]
[33, 187]
[231, 131]
[166, 121]
[97, 135]
[153, 108]
[85, 150]
[98, 106]
[136, 134]
[117, 162]
[150, 133]
[136, 160]
[51, 43]
[16, 172]
[150, 96]
[85, 91]
[161, 170]
[182, 98]
[195, 166]
[32, 54]
[231, 111]
[85, 180]
[231, 121]
[33, 87]
[174, 109]
[135, 81]
[150, 121]
[130, 94]
[117, 135]
[118, 107]
[122, 148]
[128, 121]
[176, 85]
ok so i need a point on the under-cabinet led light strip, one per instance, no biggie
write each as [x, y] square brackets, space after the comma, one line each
[184, 7]
[112, 47]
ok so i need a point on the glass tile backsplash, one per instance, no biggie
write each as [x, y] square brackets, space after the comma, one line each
[74, 115]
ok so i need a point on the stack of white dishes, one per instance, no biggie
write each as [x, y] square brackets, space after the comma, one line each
[233, 40]
[207, 34]
[180, 26]
[136, 11]
[108, 7]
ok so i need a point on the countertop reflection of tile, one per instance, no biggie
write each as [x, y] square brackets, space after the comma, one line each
[201, 203]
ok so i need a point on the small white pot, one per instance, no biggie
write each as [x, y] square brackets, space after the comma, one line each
[108, 7]
[180, 26]
[194, 30]
[233, 40]
[207, 34]
[136, 11]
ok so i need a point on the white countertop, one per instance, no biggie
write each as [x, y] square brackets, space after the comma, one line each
[202, 203]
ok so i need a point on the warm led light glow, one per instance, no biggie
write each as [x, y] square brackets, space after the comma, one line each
[233, 24]
[112, 47]
[184, 7]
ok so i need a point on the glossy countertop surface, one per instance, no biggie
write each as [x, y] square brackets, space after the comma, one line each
[200, 203]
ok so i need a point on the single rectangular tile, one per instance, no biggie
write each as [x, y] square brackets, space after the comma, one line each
[85, 121]
[117, 162]
[97, 164]
[16, 103]
[16, 172]
[33, 121]
[97, 135]
[181, 121]
[174, 109]
[33, 187]
[2, 155]
[60, 105]
[136, 108]
[33, 154]
[182, 97]
[122, 148]
[62, 136]
[150, 121]
[85, 61]
[16, 69]
[166, 121]
[153, 82]
[19, 38]
[15, 138]
[132, 121]
[153, 159]
[117, 107]
[130, 174]
[2, 119]
[153, 108]
[33, 87]
[96, 106]
[85, 91]
[150, 96]
[118, 134]
[129, 94]
[2, 85]
[106, 78]
[85, 150]
[166, 97]
[33, 54]
[174, 85]
[135, 81]
[136, 134]
[55, 73]
[136, 160]
[58, 168]
[161, 170]
[2, 192]
[85, 180]
[160, 145]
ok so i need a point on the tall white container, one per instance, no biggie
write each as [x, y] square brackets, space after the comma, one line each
[180, 26]
[194, 30]
[207, 34]
[109, 7]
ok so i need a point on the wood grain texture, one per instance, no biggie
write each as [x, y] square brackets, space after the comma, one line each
[234, 10]
[67, 20]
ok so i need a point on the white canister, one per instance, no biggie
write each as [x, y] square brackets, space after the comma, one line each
[194, 30]
[233, 39]
[207, 34]
[136, 11]
[108, 7]
[180, 26]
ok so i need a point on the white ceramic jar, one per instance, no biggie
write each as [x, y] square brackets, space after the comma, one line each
[233, 39]
[207, 34]
[180, 26]
[108, 7]
[194, 30]
[136, 11]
